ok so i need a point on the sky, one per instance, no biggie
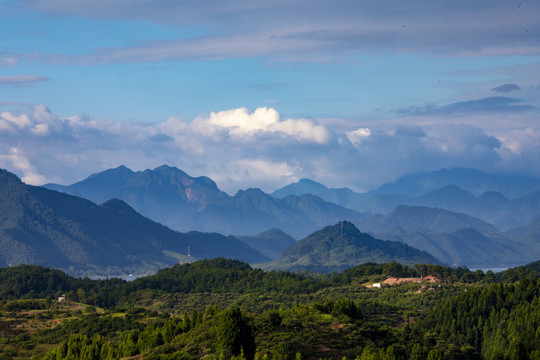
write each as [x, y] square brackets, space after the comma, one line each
[264, 93]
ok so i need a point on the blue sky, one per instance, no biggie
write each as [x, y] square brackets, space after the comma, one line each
[261, 94]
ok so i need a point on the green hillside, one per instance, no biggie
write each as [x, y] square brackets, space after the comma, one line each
[224, 309]
[342, 246]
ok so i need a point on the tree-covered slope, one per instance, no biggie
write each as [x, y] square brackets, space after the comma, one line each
[45, 227]
[342, 246]
[222, 308]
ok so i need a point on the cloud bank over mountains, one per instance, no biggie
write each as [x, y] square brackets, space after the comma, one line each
[239, 148]
[351, 93]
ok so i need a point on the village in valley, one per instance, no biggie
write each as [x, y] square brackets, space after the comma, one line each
[393, 281]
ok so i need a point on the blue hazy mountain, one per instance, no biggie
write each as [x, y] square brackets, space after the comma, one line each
[46, 227]
[270, 243]
[341, 196]
[415, 218]
[474, 181]
[526, 237]
[172, 197]
[453, 238]
[505, 201]
[341, 246]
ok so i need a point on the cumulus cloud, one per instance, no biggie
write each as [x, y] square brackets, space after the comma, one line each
[356, 136]
[18, 161]
[240, 149]
[242, 123]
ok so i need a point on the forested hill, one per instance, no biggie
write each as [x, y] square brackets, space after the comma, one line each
[500, 321]
[219, 308]
[226, 276]
[337, 247]
[45, 227]
[217, 275]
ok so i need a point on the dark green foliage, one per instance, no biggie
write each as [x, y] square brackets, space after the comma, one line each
[344, 306]
[222, 275]
[530, 271]
[31, 281]
[469, 317]
[500, 321]
[234, 334]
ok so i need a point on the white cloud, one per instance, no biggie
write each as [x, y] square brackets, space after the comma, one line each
[242, 123]
[518, 141]
[358, 135]
[18, 161]
[240, 149]
[8, 119]
[261, 173]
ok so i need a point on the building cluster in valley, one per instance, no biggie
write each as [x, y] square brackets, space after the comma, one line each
[392, 281]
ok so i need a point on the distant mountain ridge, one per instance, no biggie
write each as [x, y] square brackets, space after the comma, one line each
[270, 243]
[46, 227]
[416, 218]
[307, 186]
[505, 201]
[474, 181]
[170, 196]
[341, 246]
[451, 237]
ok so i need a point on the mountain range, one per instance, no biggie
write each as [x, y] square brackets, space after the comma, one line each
[172, 197]
[45, 227]
[504, 201]
[455, 214]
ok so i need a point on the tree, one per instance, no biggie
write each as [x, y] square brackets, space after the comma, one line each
[235, 334]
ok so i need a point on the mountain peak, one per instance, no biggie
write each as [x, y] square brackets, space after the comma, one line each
[337, 247]
[170, 171]
[8, 177]
[118, 206]
[303, 186]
